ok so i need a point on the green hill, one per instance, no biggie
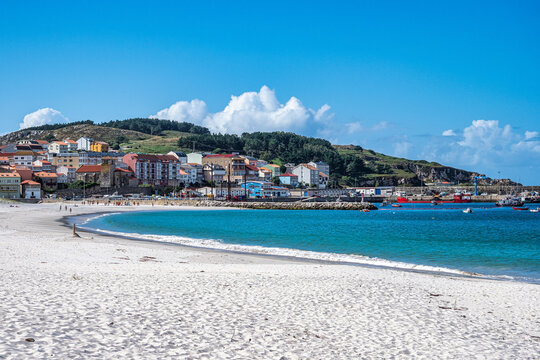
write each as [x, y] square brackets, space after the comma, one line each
[349, 164]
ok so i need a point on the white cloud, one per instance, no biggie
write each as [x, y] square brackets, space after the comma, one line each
[449, 132]
[190, 111]
[42, 117]
[402, 148]
[380, 126]
[531, 135]
[354, 127]
[251, 111]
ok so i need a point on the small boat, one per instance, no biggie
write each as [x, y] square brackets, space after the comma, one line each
[520, 208]
[468, 211]
[535, 210]
[365, 210]
[509, 202]
[433, 202]
[396, 205]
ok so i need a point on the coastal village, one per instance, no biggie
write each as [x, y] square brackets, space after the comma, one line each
[88, 168]
[34, 169]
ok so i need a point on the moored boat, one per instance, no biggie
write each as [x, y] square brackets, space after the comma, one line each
[468, 211]
[458, 199]
[509, 202]
[396, 205]
[520, 208]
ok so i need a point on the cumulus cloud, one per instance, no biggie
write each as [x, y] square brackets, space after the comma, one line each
[42, 117]
[354, 127]
[250, 111]
[194, 111]
[531, 135]
[449, 132]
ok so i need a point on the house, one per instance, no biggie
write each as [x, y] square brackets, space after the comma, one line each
[10, 185]
[84, 143]
[48, 180]
[96, 158]
[214, 173]
[154, 169]
[288, 179]
[265, 174]
[307, 174]
[99, 146]
[195, 173]
[323, 180]
[42, 165]
[66, 174]
[255, 188]
[289, 167]
[234, 165]
[322, 166]
[72, 145]
[65, 159]
[24, 158]
[44, 144]
[106, 174]
[252, 172]
[275, 169]
[24, 172]
[31, 189]
[57, 147]
[182, 157]
[4, 160]
[196, 157]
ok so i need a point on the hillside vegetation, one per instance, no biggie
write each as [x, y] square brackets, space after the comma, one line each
[350, 164]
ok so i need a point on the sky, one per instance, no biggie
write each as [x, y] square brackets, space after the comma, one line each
[452, 82]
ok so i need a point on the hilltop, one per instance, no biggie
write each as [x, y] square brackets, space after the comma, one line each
[350, 164]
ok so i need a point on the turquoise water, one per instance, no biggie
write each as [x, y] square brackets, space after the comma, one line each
[490, 241]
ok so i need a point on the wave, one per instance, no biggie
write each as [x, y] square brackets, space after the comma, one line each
[287, 252]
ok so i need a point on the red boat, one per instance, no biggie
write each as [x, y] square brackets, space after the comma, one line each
[520, 208]
[458, 198]
[396, 205]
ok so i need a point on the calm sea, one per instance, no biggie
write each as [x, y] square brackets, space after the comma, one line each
[490, 241]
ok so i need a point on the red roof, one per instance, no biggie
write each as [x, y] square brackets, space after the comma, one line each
[251, 167]
[29, 182]
[42, 142]
[151, 157]
[89, 169]
[122, 170]
[43, 174]
[288, 174]
[70, 141]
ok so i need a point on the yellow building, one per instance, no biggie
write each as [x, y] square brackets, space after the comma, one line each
[66, 159]
[99, 146]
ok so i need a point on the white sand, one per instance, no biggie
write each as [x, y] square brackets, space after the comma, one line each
[98, 297]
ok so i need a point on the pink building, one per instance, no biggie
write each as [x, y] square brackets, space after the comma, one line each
[154, 169]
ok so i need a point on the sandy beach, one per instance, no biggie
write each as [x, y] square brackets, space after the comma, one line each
[104, 297]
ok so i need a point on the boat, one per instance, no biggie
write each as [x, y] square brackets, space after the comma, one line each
[433, 202]
[365, 210]
[509, 202]
[396, 205]
[468, 211]
[535, 210]
[520, 208]
[458, 199]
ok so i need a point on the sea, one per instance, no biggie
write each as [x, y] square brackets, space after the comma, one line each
[492, 242]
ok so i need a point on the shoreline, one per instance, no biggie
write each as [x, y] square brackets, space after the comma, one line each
[252, 251]
[102, 296]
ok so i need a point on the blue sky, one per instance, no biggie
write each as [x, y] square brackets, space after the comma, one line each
[391, 76]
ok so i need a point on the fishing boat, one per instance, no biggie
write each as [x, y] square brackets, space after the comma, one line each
[458, 199]
[509, 202]
[535, 210]
[520, 208]
[468, 211]
[396, 205]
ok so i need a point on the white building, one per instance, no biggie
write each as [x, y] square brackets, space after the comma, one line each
[322, 166]
[196, 157]
[84, 143]
[192, 173]
[72, 145]
[307, 174]
[25, 158]
[58, 147]
[66, 173]
[323, 180]
[182, 157]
